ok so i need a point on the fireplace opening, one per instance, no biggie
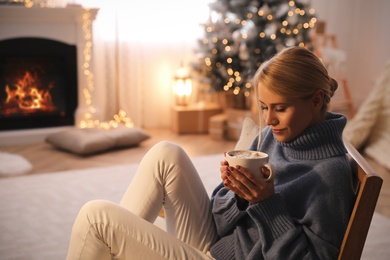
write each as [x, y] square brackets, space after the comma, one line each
[38, 83]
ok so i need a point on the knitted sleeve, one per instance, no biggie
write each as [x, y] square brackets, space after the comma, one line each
[225, 211]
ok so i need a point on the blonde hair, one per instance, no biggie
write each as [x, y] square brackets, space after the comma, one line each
[295, 72]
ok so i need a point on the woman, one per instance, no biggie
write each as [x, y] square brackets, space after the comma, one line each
[302, 213]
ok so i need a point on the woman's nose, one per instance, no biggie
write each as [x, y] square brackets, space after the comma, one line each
[269, 118]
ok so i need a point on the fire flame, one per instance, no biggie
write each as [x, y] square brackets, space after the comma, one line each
[26, 96]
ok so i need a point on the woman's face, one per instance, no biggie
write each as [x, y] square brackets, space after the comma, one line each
[288, 117]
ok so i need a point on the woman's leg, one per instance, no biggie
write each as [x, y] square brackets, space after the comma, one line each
[104, 230]
[166, 176]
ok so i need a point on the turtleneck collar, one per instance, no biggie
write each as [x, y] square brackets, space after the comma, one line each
[320, 141]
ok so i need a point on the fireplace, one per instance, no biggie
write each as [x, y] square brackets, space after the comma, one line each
[68, 28]
[38, 83]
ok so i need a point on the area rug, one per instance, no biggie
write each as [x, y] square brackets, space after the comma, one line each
[13, 164]
[37, 211]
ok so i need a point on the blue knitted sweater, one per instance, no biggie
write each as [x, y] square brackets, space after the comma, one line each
[307, 216]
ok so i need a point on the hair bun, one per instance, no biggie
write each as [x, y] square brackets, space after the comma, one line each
[333, 86]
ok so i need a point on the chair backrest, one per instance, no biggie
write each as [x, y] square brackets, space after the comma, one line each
[368, 186]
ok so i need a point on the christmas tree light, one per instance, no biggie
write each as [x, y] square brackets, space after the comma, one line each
[241, 34]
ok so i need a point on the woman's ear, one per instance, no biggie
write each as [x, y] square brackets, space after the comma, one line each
[318, 99]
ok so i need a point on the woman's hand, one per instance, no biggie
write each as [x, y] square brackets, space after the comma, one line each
[253, 187]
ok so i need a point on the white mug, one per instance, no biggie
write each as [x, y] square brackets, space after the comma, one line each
[251, 160]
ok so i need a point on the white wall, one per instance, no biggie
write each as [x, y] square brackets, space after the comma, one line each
[362, 29]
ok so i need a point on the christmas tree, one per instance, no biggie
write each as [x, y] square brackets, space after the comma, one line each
[241, 34]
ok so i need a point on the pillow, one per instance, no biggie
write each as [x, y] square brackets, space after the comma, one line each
[248, 133]
[93, 140]
[368, 130]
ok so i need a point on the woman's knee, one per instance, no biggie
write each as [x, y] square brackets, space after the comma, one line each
[164, 148]
[94, 210]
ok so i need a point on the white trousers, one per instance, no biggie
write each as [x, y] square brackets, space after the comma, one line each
[165, 177]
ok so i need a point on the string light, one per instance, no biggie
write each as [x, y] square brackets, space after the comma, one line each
[88, 121]
[42, 4]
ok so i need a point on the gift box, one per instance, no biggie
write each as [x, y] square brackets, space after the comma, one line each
[218, 126]
[193, 119]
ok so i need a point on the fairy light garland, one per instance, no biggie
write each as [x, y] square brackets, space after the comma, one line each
[88, 120]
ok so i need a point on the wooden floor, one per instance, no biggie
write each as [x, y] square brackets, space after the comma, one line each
[46, 159]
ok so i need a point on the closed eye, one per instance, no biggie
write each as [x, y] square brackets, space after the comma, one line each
[276, 107]
[263, 107]
[280, 109]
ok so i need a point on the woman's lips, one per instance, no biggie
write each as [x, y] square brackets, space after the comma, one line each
[277, 131]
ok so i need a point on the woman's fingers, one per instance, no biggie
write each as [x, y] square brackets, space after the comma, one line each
[239, 180]
[248, 186]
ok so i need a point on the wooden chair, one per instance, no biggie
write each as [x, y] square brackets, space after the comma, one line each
[368, 186]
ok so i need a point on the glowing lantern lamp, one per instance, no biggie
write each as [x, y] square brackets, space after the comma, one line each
[183, 87]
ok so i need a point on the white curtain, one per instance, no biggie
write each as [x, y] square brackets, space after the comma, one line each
[137, 48]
